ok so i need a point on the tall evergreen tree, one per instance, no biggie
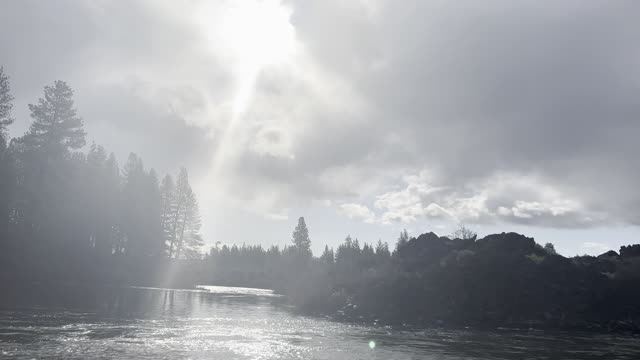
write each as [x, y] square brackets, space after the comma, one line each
[190, 240]
[6, 163]
[179, 211]
[46, 174]
[152, 214]
[300, 238]
[327, 255]
[93, 187]
[180, 218]
[141, 224]
[382, 250]
[112, 200]
[65, 213]
[133, 207]
[56, 127]
[403, 239]
[167, 208]
[6, 104]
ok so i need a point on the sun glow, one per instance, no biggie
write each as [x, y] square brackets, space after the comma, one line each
[259, 32]
[249, 36]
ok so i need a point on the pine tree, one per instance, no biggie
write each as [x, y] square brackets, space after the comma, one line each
[178, 212]
[403, 239]
[56, 128]
[6, 104]
[94, 210]
[327, 255]
[152, 212]
[6, 162]
[180, 218]
[48, 172]
[112, 203]
[167, 208]
[142, 210]
[134, 178]
[301, 240]
[382, 250]
[190, 239]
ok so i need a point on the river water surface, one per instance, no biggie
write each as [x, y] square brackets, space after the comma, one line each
[237, 323]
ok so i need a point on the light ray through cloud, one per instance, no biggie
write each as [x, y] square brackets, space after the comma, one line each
[257, 34]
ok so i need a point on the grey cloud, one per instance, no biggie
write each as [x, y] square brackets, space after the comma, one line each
[127, 122]
[464, 91]
[476, 89]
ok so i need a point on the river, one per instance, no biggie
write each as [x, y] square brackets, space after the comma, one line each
[237, 323]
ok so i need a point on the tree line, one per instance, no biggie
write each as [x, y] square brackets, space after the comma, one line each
[502, 279]
[68, 211]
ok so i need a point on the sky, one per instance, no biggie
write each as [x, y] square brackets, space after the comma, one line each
[365, 117]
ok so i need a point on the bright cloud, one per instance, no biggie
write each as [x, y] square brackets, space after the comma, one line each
[358, 212]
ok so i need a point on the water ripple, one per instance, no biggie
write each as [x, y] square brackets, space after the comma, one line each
[149, 323]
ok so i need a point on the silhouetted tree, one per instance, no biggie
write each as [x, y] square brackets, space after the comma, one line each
[549, 248]
[153, 207]
[112, 200]
[300, 238]
[141, 222]
[180, 218]
[6, 161]
[168, 204]
[6, 104]
[56, 127]
[327, 255]
[630, 251]
[69, 215]
[190, 240]
[178, 211]
[132, 206]
[402, 239]
[102, 195]
[382, 250]
[47, 174]
[464, 233]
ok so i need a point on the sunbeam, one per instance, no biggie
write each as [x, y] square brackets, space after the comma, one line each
[256, 34]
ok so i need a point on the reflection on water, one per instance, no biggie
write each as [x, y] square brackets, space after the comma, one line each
[237, 323]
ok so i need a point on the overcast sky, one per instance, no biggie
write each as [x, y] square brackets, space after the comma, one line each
[365, 117]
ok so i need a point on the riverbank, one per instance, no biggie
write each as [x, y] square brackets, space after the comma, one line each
[502, 280]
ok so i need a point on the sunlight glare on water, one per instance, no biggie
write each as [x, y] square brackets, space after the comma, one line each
[240, 323]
